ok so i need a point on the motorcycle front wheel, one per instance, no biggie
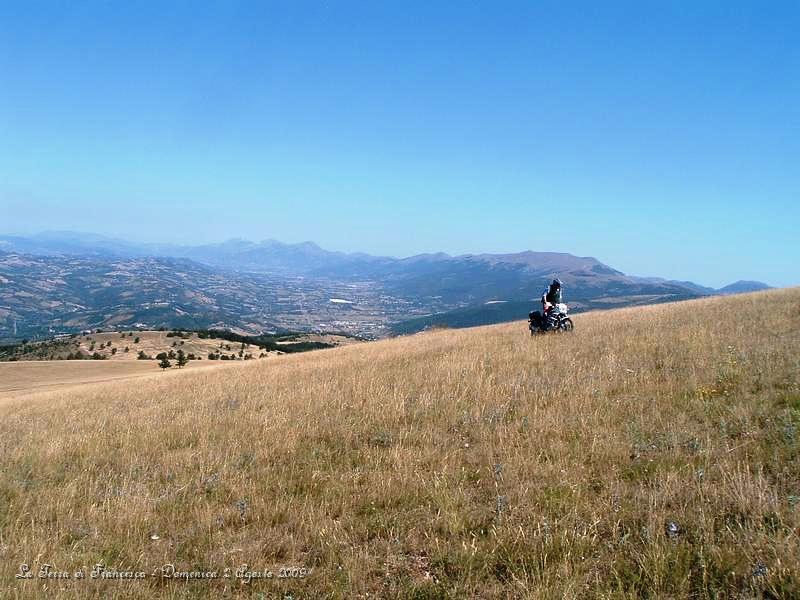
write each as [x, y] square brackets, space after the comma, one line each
[566, 325]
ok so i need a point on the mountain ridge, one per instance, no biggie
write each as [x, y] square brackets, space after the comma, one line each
[59, 281]
[239, 253]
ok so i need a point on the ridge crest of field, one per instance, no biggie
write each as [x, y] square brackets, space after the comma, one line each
[51, 364]
[112, 345]
[654, 451]
[155, 342]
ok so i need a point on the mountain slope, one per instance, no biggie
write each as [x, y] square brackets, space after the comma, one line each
[67, 294]
[41, 296]
[45, 295]
[654, 452]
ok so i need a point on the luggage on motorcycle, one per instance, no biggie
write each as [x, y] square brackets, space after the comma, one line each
[554, 319]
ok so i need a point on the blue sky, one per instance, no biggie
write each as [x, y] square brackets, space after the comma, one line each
[662, 138]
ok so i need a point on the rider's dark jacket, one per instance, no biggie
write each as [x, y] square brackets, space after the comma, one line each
[552, 295]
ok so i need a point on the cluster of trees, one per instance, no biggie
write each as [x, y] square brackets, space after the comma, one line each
[220, 356]
[59, 349]
[179, 333]
[102, 345]
[171, 355]
[43, 350]
[266, 342]
[180, 358]
[56, 349]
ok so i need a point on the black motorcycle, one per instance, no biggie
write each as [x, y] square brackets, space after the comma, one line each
[555, 319]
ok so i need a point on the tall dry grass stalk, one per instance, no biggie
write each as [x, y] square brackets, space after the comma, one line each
[654, 451]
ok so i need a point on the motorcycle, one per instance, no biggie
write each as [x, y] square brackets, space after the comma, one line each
[555, 319]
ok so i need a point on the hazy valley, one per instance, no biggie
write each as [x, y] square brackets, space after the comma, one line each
[62, 283]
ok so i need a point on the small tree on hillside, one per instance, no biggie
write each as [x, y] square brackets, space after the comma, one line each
[165, 364]
[182, 360]
[136, 340]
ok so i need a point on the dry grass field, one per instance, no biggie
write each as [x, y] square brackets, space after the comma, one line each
[653, 452]
[26, 377]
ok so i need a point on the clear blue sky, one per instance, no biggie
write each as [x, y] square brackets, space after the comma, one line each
[662, 138]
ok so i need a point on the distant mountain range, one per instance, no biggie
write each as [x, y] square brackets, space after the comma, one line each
[742, 287]
[58, 282]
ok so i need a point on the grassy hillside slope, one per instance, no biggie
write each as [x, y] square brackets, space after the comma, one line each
[33, 377]
[653, 451]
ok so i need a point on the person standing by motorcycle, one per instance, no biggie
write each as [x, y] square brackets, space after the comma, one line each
[551, 296]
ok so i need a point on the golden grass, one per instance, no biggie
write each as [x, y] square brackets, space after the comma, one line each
[654, 451]
[24, 377]
[28, 376]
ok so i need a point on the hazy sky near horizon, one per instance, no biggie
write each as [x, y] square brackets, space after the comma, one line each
[661, 138]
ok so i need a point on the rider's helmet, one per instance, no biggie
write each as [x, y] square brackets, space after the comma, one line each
[556, 283]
